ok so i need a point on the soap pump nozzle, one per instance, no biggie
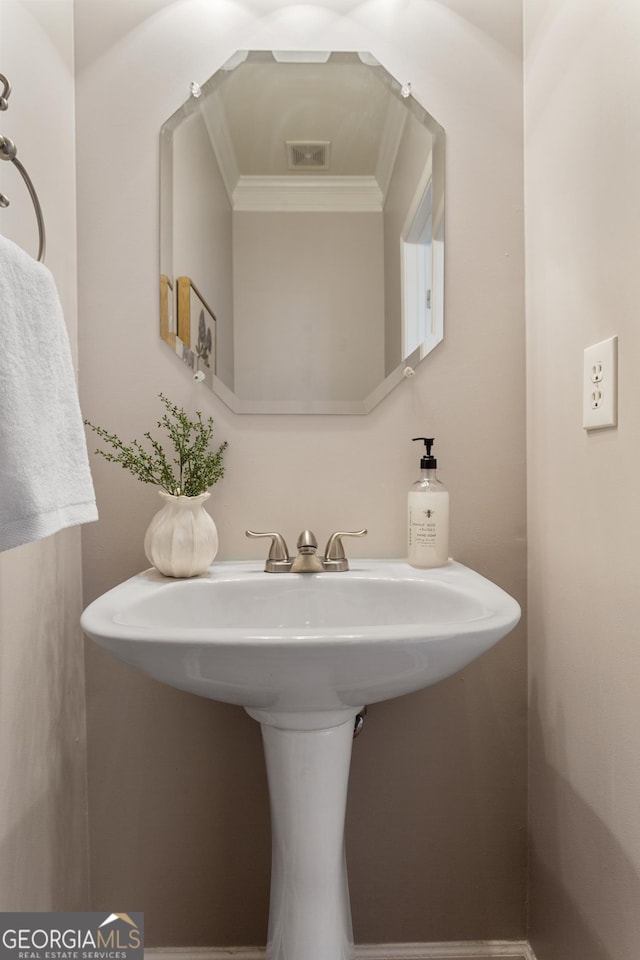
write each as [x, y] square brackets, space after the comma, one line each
[427, 462]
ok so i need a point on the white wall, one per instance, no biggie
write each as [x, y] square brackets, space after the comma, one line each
[583, 285]
[436, 823]
[43, 827]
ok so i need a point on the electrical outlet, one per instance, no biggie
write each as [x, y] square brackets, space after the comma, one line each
[600, 385]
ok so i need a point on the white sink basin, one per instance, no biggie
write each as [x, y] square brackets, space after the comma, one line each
[292, 643]
[303, 653]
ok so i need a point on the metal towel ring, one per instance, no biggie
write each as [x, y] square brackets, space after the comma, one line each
[8, 151]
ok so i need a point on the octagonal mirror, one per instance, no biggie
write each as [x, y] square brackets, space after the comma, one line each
[301, 233]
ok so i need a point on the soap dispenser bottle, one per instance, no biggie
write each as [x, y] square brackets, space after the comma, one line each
[428, 515]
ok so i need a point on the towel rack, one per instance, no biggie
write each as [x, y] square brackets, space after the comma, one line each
[8, 151]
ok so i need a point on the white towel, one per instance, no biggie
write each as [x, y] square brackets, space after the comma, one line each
[45, 482]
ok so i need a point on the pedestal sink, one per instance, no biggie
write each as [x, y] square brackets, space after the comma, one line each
[303, 653]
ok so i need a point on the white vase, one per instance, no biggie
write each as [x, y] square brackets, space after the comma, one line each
[181, 540]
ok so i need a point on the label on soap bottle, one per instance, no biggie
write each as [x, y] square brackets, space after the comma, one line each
[428, 541]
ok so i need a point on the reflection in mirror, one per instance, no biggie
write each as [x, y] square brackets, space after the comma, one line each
[301, 232]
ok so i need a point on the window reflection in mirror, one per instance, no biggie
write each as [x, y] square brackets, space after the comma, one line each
[301, 233]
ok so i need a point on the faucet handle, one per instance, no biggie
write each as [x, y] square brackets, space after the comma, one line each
[334, 555]
[278, 559]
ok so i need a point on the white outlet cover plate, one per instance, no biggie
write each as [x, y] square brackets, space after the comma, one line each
[600, 385]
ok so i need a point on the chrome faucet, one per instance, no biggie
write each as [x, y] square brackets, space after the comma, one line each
[307, 560]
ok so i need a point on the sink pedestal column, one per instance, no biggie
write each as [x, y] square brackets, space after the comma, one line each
[308, 772]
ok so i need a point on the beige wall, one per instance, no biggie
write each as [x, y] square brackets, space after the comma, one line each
[408, 175]
[319, 335]
[179, 816]
[583, 284]
[202, 233]
[436, 822]
[43, 828]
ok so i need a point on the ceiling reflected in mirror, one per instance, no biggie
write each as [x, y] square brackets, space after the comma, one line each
[301, 232]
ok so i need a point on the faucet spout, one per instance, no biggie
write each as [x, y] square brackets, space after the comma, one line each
[307, 561]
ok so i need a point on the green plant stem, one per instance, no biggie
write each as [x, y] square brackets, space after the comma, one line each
[194, 467]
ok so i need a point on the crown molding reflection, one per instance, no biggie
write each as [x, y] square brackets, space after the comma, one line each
[308, 194]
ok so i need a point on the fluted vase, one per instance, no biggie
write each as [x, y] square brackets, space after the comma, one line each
[181, 540]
